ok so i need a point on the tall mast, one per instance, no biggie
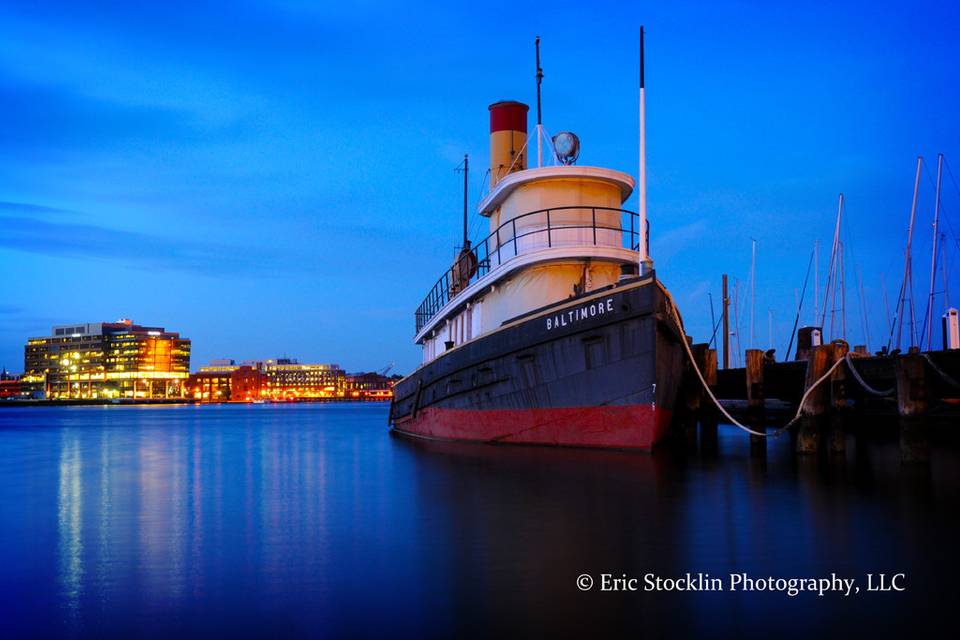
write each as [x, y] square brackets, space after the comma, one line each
[830, 269]
[466, 170]
[726, 325]
[645, 262]
[843, 296]
[753, 289]
[539, 114]
[863, 311]
[907, 288]
[933, 252]
[816, 281]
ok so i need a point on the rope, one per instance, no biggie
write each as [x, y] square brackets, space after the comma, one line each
[676, 314]
[943, 374]
[866, 387]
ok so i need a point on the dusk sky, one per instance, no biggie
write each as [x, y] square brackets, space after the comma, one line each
[278, 179]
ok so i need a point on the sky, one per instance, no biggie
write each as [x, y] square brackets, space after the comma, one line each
[277, 179]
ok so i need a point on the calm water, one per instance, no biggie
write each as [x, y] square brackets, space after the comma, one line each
[313, 520]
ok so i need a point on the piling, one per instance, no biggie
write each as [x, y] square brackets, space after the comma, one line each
[754, 371]
[912, 405]
[815, 407]
[694, 395]
[708, 411]
[839, 399]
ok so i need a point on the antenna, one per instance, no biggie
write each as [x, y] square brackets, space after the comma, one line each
[466, 171]
[645, 262]
[539, 112]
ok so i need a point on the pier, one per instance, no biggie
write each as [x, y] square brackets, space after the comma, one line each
[916, 391]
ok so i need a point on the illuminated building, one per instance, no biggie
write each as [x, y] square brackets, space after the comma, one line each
[10, 386]
[288, 379]
[370, 386]
[223, 382]
[107, 360]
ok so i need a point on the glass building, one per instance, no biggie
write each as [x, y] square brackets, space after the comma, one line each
[107, 360]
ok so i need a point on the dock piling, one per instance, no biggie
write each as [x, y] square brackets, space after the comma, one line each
[912, 405]
[754, 371]
[819, 360]
[839, 404]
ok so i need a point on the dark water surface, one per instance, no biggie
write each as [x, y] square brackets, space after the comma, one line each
[274, 521]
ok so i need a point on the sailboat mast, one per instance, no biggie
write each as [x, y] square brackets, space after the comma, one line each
[907, 288]
[933, 252]
[816, 281]
[843, 297]
[863, 311]
[830, 270]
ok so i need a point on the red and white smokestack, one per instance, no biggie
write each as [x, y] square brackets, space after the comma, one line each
[508, 139]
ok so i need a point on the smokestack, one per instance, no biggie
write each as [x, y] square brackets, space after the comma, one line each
[508, 139]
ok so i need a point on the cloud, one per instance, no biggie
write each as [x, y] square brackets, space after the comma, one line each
[140, 250]
[671, 242]
[47, 118]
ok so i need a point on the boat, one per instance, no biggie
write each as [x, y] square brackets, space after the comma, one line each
[554, 328]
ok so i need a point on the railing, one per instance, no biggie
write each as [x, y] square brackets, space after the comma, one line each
[545, 228]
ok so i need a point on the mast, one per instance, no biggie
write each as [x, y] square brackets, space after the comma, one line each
[843, 296]
[466, 170]
[539, 114]
[907, 288]
[645, 262]
[726, 325]
[753, 288]
[816, 281]
[830, 269]
[863, 310]
[933, 252]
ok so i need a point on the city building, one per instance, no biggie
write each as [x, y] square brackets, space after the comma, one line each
[224, 381]
[370, 386]
[288, 379]
[107, 360]
[10, 386]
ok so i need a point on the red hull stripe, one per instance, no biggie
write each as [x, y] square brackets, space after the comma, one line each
[508, 116]
[614, 427]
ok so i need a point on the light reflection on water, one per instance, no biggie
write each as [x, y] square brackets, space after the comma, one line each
[279, 520]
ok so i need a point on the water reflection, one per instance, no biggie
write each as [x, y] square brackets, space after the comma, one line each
[313, 520]
[69, 507]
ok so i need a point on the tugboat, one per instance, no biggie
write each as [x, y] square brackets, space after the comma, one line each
[553, 329]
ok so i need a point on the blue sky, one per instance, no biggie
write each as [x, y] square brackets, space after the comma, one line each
[277, 178]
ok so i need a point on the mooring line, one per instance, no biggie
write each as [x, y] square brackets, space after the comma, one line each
[863, 383]
[676, 314]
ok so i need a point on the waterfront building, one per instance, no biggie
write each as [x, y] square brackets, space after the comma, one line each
[10, 386]
[370, 386]
[107, 360]
[287, 379]
[225, 381]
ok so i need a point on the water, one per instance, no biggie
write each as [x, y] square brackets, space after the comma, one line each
[312, 520]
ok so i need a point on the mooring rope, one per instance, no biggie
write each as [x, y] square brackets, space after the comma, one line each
[676, 314]
[863, 383]
[943, 374]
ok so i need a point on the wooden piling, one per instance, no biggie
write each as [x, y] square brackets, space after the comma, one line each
[912, 405]
[815, 406]
[694, 394]
[754, 376]
[839, 400]
[708, 411]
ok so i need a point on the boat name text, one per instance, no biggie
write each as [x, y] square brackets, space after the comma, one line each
[580, 313]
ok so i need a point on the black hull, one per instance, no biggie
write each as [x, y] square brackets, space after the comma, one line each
[598, 370]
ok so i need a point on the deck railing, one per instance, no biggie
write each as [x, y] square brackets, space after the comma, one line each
[545, 228]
